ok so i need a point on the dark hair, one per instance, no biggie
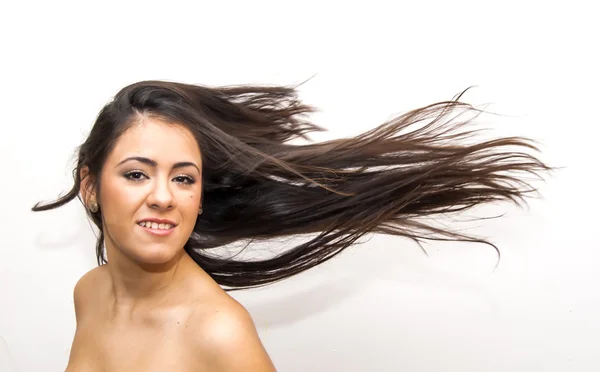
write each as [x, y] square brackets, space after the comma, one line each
[257, 185]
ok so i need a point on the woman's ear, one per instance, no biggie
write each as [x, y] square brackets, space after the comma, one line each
[87, 188]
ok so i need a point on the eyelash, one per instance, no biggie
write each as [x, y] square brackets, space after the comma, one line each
[187, 180]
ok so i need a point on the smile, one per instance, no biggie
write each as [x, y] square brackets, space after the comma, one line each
[160, 229]
[154, 225]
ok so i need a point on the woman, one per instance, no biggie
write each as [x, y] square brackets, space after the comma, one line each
[171, 170]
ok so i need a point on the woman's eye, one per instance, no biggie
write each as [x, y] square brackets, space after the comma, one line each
[184, 179]
[135, 175]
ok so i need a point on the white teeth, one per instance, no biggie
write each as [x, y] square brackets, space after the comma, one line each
[156, 226]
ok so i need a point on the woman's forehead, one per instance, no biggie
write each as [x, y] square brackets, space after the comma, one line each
[158, 140]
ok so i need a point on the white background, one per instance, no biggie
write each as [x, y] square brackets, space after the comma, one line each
[383, 305]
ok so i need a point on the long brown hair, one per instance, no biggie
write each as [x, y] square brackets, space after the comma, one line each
[257, 185]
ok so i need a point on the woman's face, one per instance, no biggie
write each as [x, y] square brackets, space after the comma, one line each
[150, 192]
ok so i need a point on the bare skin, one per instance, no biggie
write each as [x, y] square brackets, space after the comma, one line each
[152, 308]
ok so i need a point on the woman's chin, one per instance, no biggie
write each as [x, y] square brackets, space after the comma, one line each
[157, 256]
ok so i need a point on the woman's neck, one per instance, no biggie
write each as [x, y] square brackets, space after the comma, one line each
[136, 284]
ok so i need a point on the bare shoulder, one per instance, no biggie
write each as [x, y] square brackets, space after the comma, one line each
[226, 334]
[86, 290]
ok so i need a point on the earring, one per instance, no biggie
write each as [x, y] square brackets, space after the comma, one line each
[93, 207]
[200, 211]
